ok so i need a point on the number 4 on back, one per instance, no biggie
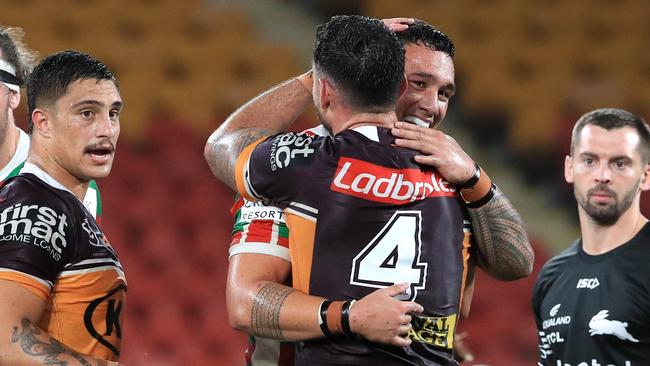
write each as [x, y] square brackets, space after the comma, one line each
[393, 256]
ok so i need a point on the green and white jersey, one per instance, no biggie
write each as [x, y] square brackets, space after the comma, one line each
[92, 200]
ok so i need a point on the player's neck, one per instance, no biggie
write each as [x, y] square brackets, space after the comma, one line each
[599, 239]
[9, 143]
[57, 172]
[383, 119]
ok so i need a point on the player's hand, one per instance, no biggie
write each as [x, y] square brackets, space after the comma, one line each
[398, 24]
[439, 151]
[379, 317]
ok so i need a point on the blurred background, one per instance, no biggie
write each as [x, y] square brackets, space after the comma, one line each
[525, 70]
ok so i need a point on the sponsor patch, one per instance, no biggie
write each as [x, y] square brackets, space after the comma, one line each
[36, 225]
[288, 146]
[259, 211]
[387, 185]
[437, 331]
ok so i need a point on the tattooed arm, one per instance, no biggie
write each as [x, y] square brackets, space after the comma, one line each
[262, 307]
[271, 112]
[22, 342]
[504, 250]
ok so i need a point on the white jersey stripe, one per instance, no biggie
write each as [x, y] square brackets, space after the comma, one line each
[304, 207]
[260, 248]
[48, 284]
[93, 261]
[301, 214]
[120, 274]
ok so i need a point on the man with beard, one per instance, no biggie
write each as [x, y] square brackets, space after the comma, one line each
[259, 254]
[591, 302]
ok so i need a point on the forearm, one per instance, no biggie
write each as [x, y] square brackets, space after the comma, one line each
[271, 112]
[281, 312]
[504, 249]
[29, 345]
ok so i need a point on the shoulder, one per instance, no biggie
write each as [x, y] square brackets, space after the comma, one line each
[28, 188]
[557, 265]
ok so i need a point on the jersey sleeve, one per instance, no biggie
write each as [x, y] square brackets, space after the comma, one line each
[35, 240]
[272, 169]
[544, 348]
[259, 229]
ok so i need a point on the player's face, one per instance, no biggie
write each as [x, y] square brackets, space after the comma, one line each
[430, 77]
[85, 128]
[607, 172]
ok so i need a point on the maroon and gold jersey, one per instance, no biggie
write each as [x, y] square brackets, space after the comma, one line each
[363, 215]
[51, 245]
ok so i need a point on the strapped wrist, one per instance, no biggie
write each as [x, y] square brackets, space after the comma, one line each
[473, 180]
[334, 318]
[482, 188]
[322, 317]
[345, 318]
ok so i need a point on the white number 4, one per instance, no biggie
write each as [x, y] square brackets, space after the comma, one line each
[393, 256]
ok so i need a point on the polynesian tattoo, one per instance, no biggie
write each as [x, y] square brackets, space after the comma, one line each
[504, 249]
[265, 314]
[33, 346]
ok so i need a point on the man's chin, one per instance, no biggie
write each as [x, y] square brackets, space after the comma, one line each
[97, 172]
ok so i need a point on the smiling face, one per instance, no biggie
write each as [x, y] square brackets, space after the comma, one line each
[607, 171]
[430, 86]
[82, 127]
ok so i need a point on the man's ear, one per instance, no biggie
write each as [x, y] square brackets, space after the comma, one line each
[41, 122]
[402, 86]
[326, 90]
[568, 169]
[645, 179]
[14, 100]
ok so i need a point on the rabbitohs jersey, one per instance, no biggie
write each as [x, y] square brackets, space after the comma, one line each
[260, 228]
[92, 200]
[51, 245]
[594, 310]
[362, 215]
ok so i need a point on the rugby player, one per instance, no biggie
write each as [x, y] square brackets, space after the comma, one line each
[253, 262]
[591, 302]
[242, 136]
[62, 287]
[16, 62]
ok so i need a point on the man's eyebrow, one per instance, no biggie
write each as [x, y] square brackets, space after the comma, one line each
[449, 86]
[116, 104]
[88, 101]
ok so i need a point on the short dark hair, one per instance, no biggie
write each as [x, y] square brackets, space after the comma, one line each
[363, 58]
[611, 118]
[50, 79]
[424, 33]
[16, 53]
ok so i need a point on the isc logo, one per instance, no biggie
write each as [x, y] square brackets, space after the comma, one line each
[590, 283]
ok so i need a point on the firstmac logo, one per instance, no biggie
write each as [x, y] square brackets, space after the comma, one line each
[388, 185]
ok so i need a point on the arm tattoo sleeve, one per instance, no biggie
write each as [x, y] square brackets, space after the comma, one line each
[504, 250]
[223, 151]
[52, 351]
[265, 314]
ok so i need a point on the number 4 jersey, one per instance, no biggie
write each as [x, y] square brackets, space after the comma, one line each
[363, 215]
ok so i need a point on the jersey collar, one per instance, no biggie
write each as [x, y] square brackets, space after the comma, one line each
[42, 175]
